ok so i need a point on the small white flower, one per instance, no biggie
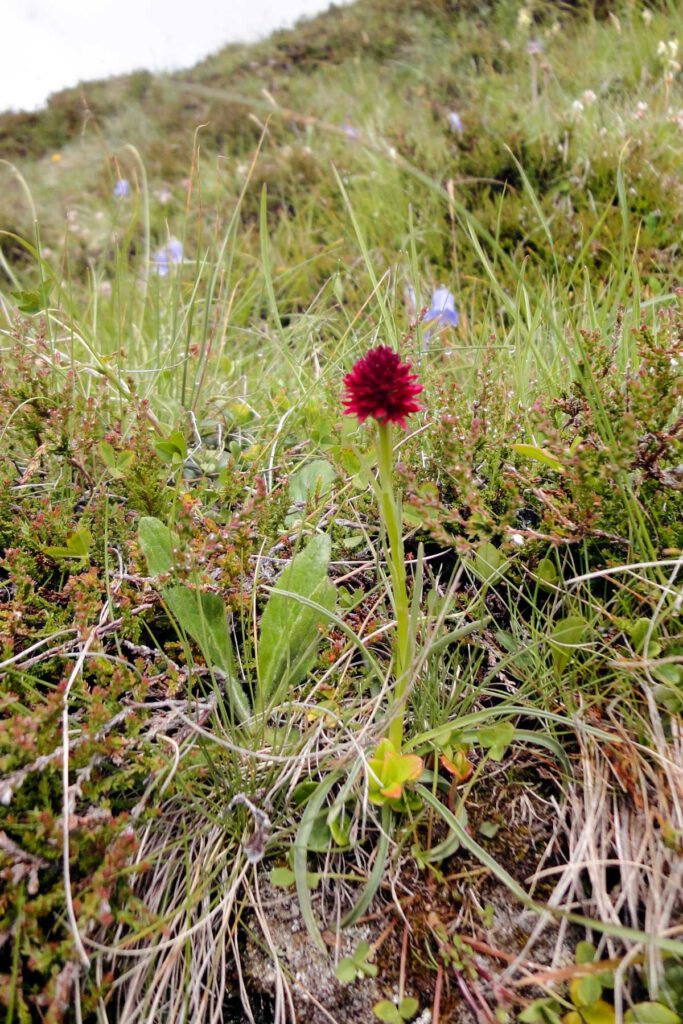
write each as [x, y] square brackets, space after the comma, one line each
[646, 15]
[577, 109]
[517, 539]
[524, 17]
[667, 50]
[589, 97]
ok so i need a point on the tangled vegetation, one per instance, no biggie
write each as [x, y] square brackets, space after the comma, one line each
[207, 809]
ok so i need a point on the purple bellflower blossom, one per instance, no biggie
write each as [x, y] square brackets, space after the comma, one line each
[122, 188]
[167, 256]
[349, 130]
[442, 311]
[455, 122]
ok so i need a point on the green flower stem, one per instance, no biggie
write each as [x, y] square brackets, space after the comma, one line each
[397, 568]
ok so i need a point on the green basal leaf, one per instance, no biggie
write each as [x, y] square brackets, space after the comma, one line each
[541, 1011]
[386, 1011]
[408, 1007]
[496, 738]
[172, 449]
[314, 479]
[202, 616]
[564, 640]
[651, 1013]
[158, 544]
[282, 878]
[585, 991]
[346, 971]
[488, 564]
[584, 952]
[77, 545]
[546, 573]
[108, 455]
[290, 630]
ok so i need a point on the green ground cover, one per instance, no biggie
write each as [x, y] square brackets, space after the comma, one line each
[198, 609]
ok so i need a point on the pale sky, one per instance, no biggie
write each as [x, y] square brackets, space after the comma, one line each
[51, 44]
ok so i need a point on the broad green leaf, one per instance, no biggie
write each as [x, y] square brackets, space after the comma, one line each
[173, 449]
[77, 545]
[541, 1011]
[584, 952]
[671, 987]
[340, 829]
[565, 638]
[116, 464]
[639, 633]
[282, 878]
[79, 542]
[599, 1013]
[532, 451]
[203, 617]
[546, 572]
[303, 791]
[125, 460]
[157, 543]
[33, 301]
[651, 1013]
[361, 951]
[488, 563]
[585, 991]
[315, 478]
[387, 1012]
[496, 738]
[320, 837]
[408, 1007]
[108, 455]
[290, 630]
[346, 971]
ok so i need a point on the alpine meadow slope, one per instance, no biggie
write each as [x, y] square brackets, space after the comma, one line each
[341, 520]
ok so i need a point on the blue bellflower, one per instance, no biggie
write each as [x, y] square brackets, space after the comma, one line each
[349, 130]
[455, 122]
[122, 188]
[167, 256]
[442, 311]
